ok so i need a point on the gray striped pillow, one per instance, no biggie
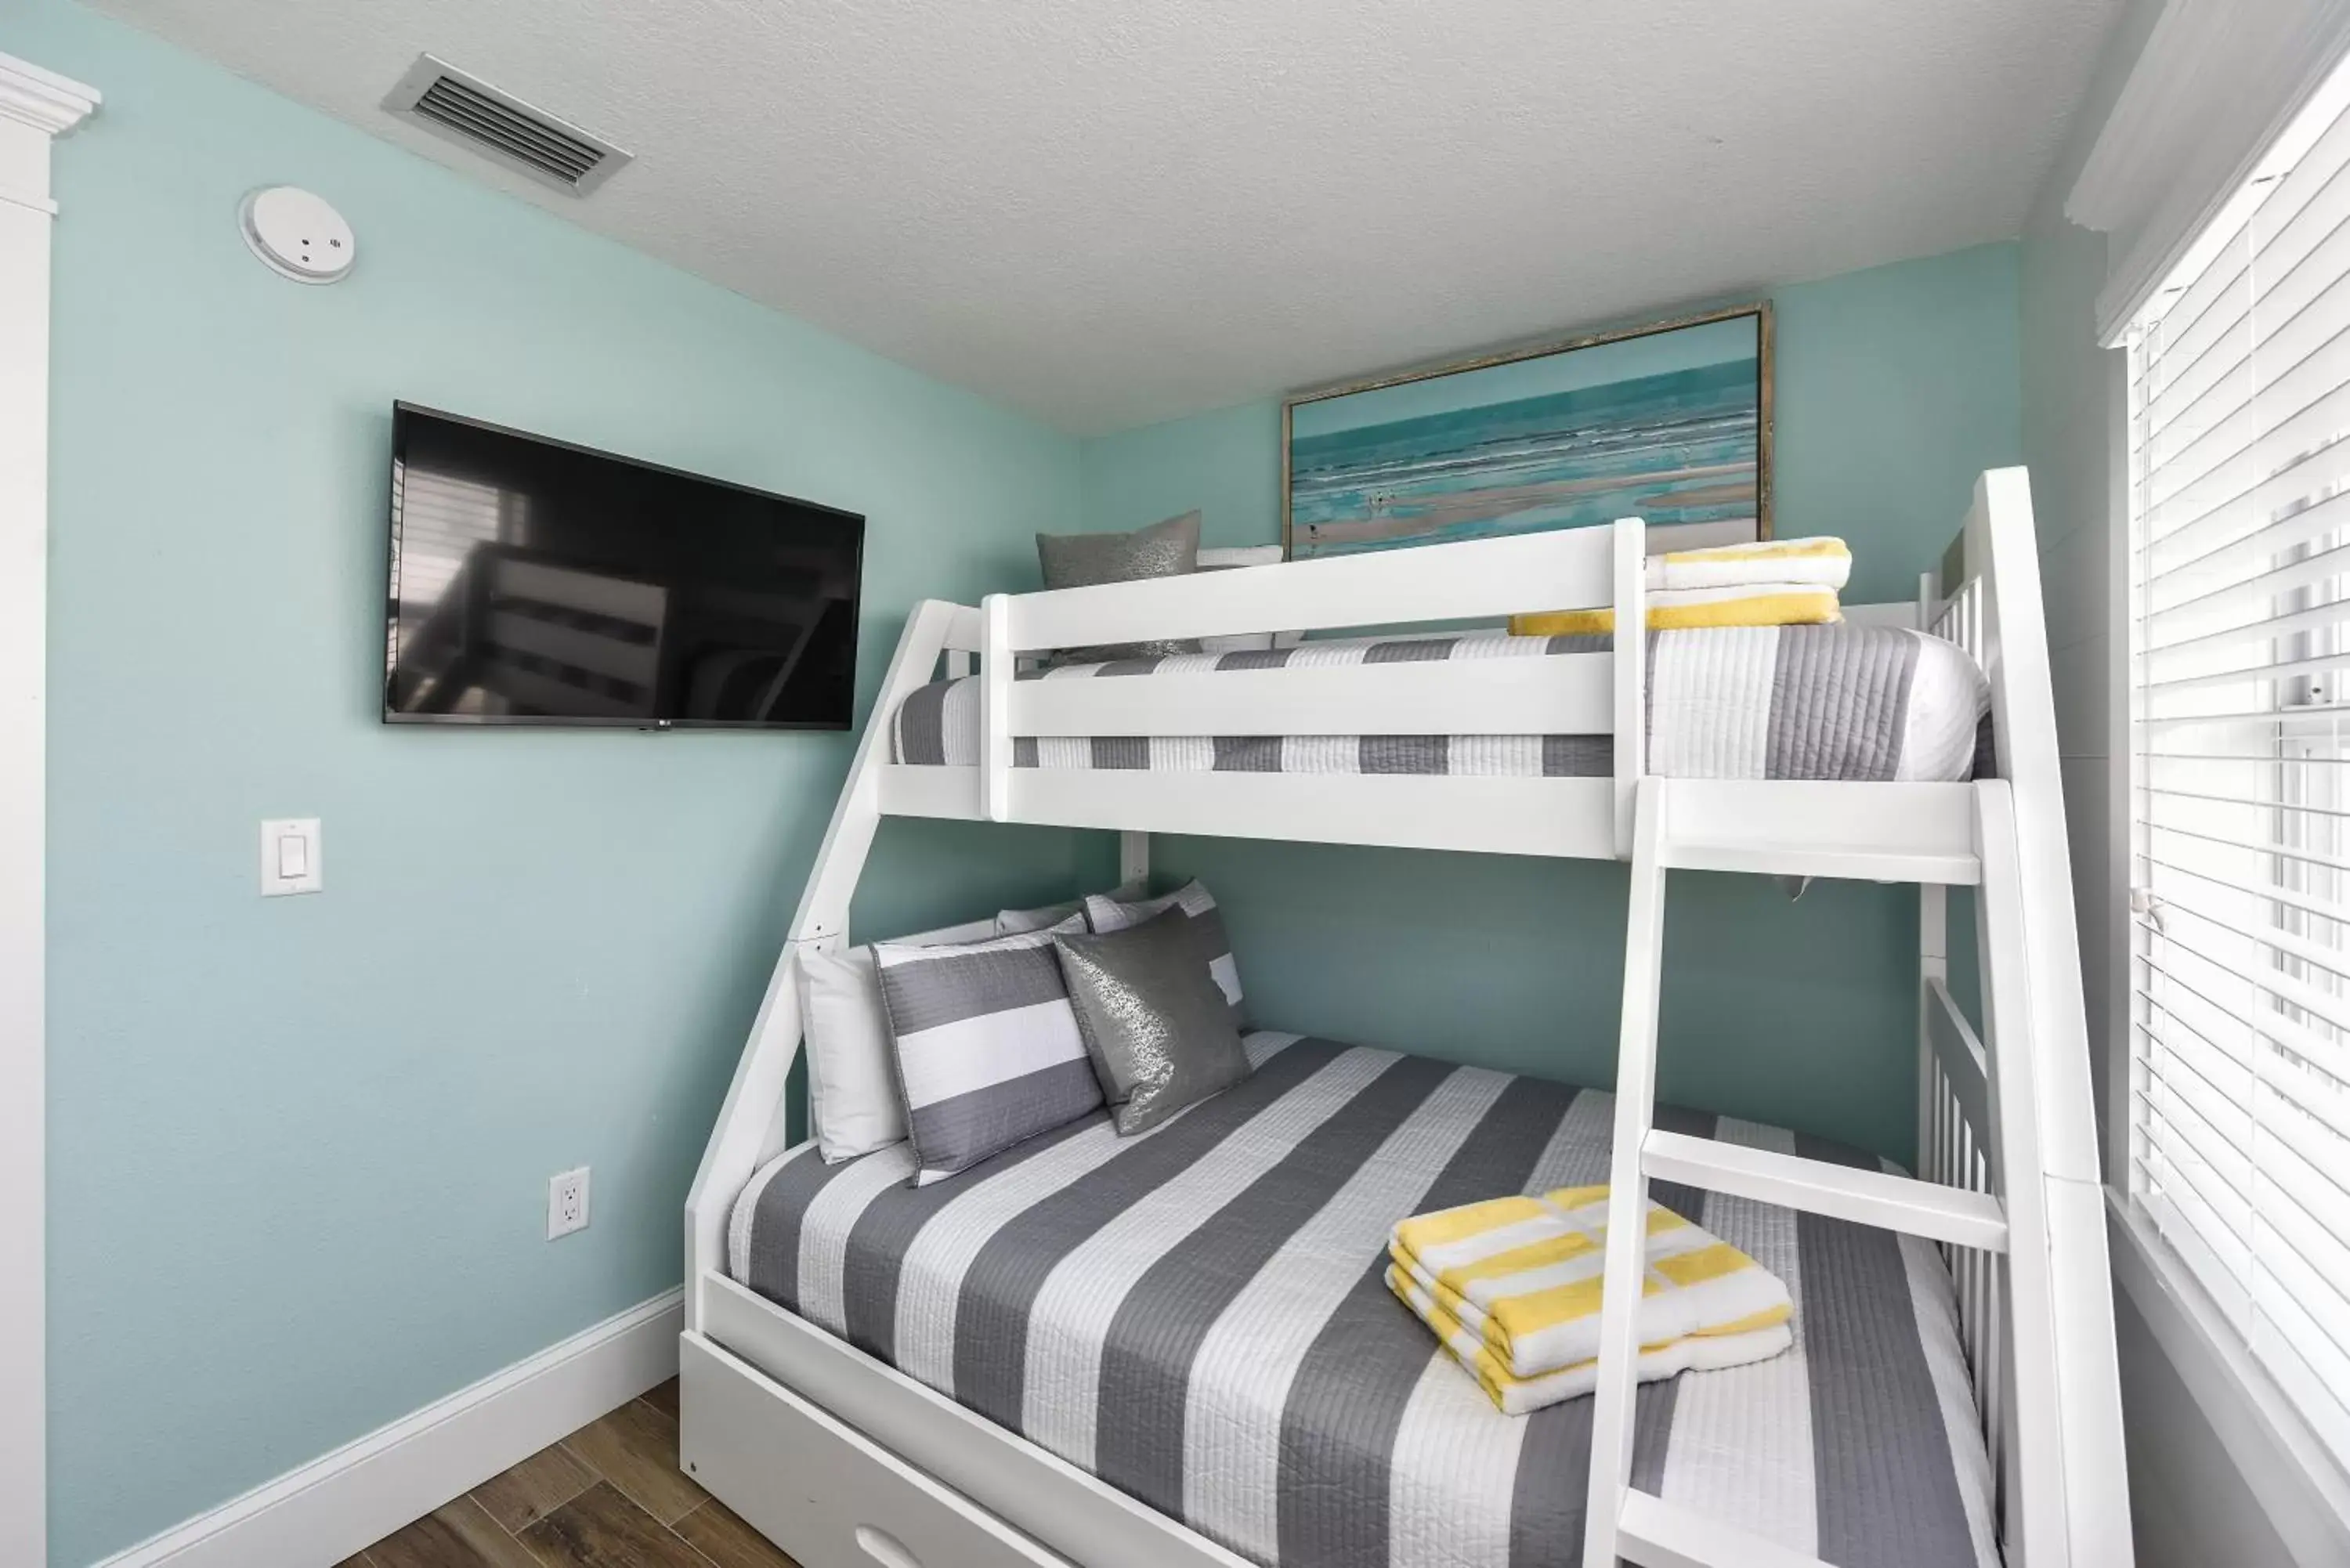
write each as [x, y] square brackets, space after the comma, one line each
[1105, 914]
[986, 1045]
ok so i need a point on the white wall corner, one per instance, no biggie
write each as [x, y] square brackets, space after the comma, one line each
[43, 100]
[36, 107]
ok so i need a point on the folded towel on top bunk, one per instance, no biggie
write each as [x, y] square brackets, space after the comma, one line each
[1512, 1286]
[1820, 560]
[1772, 582]
[1689, 610]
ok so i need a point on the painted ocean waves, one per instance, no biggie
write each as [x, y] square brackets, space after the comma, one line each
[1683, 444]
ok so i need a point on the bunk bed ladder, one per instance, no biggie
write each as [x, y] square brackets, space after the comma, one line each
[1624, 1522]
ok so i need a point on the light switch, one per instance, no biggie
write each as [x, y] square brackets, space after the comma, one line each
[290, 856]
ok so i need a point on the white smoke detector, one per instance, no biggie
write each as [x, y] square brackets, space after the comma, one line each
[296, 235]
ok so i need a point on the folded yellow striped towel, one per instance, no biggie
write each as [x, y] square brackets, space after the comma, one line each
[1523, 1275]
[1523, 1395]
[1683, 609]
[1821, 560]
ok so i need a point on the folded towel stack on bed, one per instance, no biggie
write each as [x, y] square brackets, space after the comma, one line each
[1774, 582]
[1512, 1287]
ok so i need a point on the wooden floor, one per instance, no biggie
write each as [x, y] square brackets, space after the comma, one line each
[609, 1496]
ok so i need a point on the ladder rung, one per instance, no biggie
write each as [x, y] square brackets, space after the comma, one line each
[1801, 860]
[1656, 1534]
[1840, 1192]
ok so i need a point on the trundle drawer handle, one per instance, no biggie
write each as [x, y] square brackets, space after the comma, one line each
[885, 1548]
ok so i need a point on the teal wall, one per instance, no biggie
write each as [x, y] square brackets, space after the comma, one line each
[1895, 388]
[299, 1147]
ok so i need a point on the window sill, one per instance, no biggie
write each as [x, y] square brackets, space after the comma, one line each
[2305, 1492]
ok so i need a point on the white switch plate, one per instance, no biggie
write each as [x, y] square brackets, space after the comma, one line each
[291, 852]
[566, 1203]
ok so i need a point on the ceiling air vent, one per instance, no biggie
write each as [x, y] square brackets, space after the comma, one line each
[448, 102]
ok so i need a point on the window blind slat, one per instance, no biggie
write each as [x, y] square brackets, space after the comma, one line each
[2258, 516]
[2219, 1176]
[2192, 469]
[2249, 596]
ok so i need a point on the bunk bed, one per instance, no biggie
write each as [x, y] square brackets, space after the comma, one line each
[814, 1363]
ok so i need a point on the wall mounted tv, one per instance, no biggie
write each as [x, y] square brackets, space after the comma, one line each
[538, 583]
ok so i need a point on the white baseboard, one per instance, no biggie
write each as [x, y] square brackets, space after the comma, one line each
[339, 1502]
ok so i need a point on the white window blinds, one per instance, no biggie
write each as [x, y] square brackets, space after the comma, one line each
[2240, 677]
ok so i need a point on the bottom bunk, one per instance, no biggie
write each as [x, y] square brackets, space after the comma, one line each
[1196, 1315]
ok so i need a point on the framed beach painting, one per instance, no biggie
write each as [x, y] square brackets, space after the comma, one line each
[1669, 422]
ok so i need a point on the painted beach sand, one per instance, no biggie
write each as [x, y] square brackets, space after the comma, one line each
[1665, 427]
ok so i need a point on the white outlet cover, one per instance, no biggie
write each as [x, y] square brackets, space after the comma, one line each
[297, 234]
[566, 1202]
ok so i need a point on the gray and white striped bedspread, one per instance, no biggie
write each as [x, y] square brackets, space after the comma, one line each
[1839, 701]
[1196, 1315]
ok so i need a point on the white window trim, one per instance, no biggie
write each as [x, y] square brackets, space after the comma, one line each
[2304, 1493]
[35, 108]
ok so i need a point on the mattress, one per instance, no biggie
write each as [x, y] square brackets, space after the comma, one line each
[1196, 1315]
[1838, 701]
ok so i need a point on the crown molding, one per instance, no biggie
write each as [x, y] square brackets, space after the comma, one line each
[43, 100]
[2215, 84]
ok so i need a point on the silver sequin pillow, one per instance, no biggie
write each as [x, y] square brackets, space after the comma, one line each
[1157, 1030]
[1169, 549]
[1103, 913]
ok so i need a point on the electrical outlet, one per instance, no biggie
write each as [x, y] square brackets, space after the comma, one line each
[566, 1203]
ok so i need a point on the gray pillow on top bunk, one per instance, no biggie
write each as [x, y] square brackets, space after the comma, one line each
[1168, 549]
[1103, 913]
[986, 1045]
[1159, 1033]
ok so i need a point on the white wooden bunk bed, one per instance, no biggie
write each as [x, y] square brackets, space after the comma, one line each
[844, 1459]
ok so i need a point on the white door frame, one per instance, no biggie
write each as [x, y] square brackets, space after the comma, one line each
[35, 108]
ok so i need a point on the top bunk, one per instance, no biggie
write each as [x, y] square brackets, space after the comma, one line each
[1846, 754]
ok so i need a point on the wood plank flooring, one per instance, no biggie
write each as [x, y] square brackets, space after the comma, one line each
[610, 1495]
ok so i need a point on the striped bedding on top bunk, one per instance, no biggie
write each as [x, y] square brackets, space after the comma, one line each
[1838, 701]
[1197, 1315]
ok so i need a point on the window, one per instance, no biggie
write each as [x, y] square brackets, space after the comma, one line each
[2240, 786]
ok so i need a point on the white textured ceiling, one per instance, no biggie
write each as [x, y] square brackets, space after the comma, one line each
[1112, 211]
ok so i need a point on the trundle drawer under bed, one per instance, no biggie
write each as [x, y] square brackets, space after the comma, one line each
[822, 1490]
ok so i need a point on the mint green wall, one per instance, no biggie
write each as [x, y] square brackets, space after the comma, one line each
[299, 1147]
[1895, 388]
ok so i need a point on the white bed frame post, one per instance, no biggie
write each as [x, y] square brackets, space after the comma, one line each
[996, 673]
[2082, 1423]
[751, 1127]
[1630, 698]
[1628, 1195]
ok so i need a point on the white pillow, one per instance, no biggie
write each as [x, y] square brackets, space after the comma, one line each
[1013, 922]
[1226, 559]
[853, 1101]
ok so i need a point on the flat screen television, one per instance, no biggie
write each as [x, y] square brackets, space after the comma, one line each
[534, 582]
